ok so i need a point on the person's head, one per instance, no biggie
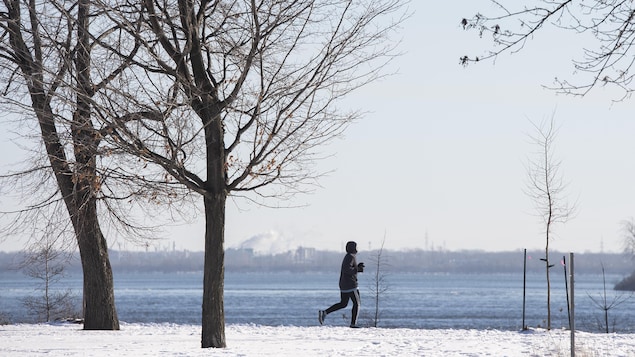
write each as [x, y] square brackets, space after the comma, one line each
[351, 247]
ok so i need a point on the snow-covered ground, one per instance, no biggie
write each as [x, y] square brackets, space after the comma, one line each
[251, 340]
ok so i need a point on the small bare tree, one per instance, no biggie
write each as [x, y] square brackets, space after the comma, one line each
[628, 235]
[46, 260]
[605, 305]
[546, 189]
[628, 232]
[379, 285]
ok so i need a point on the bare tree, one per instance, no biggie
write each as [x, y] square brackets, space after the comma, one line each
[628, 236]
[46, 260]
[546, 189]
[605, 61]
[605, 305]
[234, 98]
[628, 232]
[379, 285]
[47, 68]
[33, 36]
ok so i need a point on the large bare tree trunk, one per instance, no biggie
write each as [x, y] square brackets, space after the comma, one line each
[213, 334]
[99, 297]
[213, 320]
[99, 306]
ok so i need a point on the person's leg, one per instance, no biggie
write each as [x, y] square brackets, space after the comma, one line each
[344, 297]
[340, 305]
[356, 305]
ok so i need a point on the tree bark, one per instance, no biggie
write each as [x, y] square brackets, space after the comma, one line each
[213, 320]
[100, 312]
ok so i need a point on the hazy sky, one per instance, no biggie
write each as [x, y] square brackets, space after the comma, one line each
[440, 160]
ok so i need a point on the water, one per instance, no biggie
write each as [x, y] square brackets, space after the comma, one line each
[460, 301]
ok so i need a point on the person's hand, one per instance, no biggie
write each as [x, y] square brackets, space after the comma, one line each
[360, 267]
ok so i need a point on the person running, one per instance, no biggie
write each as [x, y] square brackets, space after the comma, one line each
[348, 285]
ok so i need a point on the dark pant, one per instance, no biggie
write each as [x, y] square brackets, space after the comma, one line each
[354, 296]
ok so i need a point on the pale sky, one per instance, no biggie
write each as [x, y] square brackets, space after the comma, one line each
[440, 160]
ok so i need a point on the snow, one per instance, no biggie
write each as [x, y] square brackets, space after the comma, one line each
[65, 339]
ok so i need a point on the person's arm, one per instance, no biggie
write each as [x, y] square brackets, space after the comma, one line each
[349, 265]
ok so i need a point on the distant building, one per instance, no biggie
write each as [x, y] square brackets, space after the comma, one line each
[304, 256]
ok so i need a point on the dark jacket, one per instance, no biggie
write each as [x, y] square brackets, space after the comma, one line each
[348, 274]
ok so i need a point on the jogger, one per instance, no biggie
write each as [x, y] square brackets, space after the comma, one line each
[348, 285]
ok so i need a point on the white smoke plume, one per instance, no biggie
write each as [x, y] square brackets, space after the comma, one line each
[271, 242]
